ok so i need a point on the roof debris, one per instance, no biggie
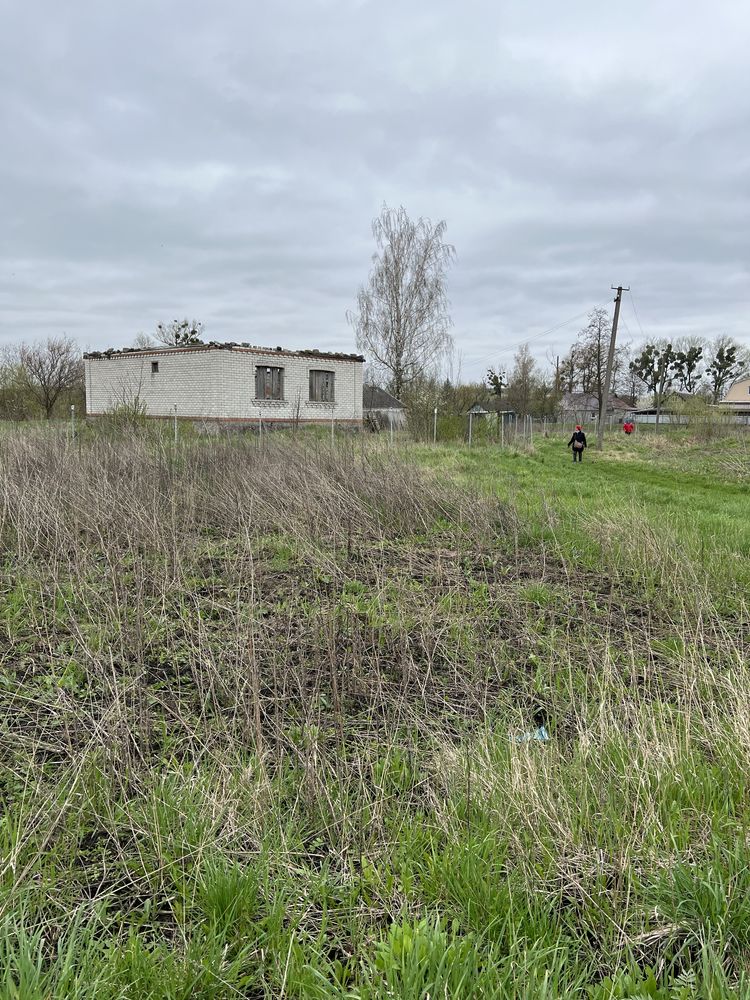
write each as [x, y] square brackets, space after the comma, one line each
[216, 346]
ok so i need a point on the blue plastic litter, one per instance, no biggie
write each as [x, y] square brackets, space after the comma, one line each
[540, 734]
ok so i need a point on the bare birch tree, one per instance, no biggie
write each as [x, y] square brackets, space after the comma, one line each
[402, 321]
[592, 350]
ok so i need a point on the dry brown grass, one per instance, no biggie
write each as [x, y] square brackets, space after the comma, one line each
[311, 658]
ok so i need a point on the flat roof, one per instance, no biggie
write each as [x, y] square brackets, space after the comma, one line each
[129, 352]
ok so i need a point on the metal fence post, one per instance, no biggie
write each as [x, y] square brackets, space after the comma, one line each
[470, 420]
[72, 421]
[434, 425]
[175, 423]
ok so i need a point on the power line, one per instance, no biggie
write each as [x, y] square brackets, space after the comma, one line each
[632, 300]
[538, 336]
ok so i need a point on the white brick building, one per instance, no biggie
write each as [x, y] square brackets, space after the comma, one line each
[228, 383]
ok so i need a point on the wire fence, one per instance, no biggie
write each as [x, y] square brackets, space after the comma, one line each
[471, 430]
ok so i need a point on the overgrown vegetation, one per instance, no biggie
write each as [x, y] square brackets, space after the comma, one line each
[268, 721]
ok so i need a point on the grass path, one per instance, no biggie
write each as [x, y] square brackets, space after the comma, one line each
[672, 485]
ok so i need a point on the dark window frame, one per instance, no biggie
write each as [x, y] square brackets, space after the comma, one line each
[154, 367]
[322, 385]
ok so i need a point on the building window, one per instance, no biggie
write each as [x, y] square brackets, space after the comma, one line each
[154, 367]
[321, 386]
[269, 382]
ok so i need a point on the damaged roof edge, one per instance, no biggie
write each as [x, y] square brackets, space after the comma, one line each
[127, 352]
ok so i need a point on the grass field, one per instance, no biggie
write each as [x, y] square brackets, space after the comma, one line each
[269, 720]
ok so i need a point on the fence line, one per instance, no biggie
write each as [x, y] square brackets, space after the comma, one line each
[505, 430]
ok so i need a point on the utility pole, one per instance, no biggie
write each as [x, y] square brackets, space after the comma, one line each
[497, 382]
[610, 363]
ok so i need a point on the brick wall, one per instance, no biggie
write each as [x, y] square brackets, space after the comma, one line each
[220, 384]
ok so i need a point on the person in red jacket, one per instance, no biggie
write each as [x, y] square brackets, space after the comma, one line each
[578, 440]
[628, 427]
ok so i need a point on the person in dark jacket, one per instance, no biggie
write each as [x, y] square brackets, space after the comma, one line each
[578, 441]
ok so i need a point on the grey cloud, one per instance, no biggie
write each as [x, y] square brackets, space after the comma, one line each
[225, 161]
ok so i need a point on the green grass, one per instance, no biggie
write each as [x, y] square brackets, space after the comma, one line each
[262, 718]
[658, 476]
[684, 487]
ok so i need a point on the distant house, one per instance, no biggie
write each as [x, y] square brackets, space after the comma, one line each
[671, 411]
[584, 407]
[647, 415]
[497, 407]
[381, 410]
[737, 398]
[234, 383]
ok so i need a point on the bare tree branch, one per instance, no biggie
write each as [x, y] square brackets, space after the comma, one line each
[180, 333]
[402, 318]
[46, 370]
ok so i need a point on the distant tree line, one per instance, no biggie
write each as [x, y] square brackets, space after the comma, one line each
[402, 323]
[41, 380]
[700, 369]
[694, 366]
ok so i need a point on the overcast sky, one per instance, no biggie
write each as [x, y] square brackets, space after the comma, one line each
[224, 161]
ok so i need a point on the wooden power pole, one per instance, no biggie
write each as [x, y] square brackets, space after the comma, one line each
[608, 374]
